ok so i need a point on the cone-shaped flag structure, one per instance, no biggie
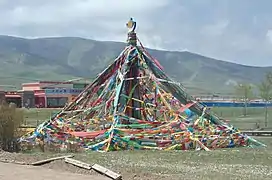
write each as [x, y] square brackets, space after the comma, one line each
[133, 104]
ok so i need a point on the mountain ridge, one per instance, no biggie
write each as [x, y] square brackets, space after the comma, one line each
[119, 42]
[172, 51]
[61, 58]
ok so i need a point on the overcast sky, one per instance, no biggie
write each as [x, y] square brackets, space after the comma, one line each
[233, 30]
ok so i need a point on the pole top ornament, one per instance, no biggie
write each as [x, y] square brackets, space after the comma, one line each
[131, 25]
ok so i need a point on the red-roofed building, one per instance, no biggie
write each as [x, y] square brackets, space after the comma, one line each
[52, 94]
[13, 97]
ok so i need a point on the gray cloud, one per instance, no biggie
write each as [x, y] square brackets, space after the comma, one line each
[234, 30]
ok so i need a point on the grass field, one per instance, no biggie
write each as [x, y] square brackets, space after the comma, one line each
[35, 116]
[224, 164]
[236, 117]
[242, 163]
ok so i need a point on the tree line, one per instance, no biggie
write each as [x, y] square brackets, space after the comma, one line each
[246, 93]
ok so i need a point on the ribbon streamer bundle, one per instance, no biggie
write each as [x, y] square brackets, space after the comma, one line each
[133, 104]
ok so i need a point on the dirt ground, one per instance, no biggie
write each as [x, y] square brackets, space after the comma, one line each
[21, 172]
[57, 170]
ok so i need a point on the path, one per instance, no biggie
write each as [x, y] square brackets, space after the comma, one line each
[14, 172]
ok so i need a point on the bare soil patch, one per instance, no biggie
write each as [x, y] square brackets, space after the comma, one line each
[14, 172]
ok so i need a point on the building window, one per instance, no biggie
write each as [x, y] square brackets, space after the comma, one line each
[57, 102]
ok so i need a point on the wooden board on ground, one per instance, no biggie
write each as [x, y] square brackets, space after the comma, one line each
[106, 172]
[38, 163]
[258, 133]
[14, 162]
[78, 163]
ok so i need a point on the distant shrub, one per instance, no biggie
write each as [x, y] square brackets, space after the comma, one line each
[10, 120]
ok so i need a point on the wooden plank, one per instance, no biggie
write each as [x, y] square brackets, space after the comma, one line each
[14, 162]
[38, 163]
[78, 163]
[258, 133]
[106, 172]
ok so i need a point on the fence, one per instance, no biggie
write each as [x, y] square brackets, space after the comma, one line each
[254, 118]
[236, 104]
[34, 117]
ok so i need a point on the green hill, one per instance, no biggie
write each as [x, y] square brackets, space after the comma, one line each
[28, 60]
